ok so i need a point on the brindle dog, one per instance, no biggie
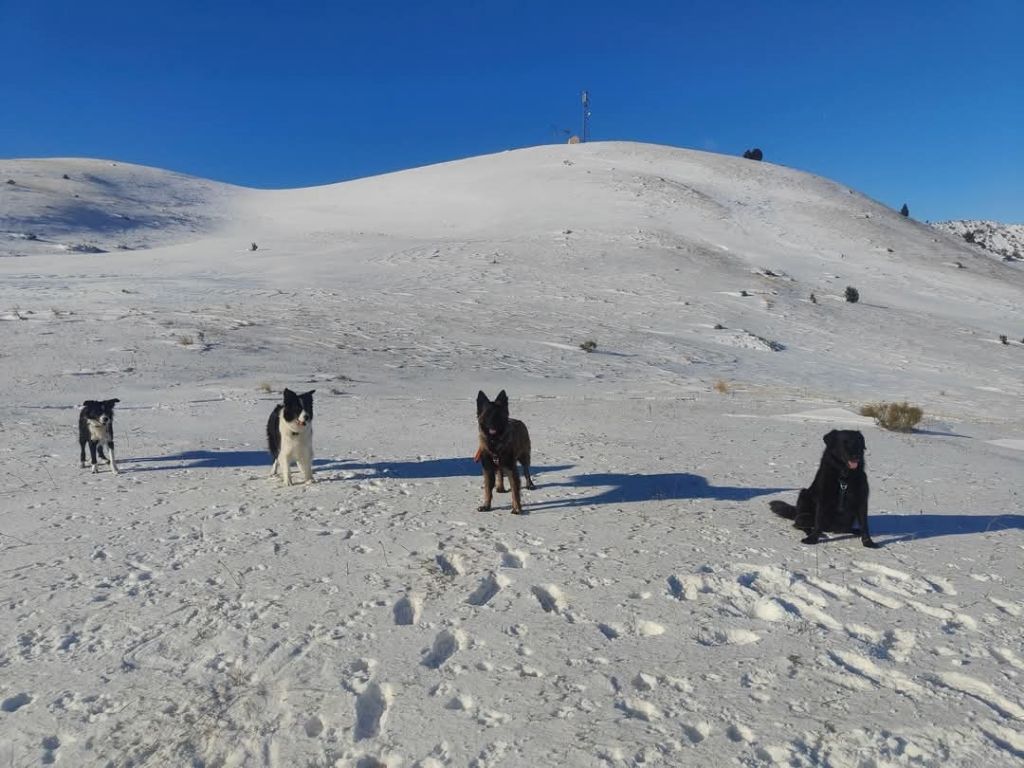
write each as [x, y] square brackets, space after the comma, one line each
[503, 442]
[838, 496]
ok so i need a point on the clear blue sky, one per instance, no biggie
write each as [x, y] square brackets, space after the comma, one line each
[917, 101]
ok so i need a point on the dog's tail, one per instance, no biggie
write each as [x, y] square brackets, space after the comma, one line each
[782, 509]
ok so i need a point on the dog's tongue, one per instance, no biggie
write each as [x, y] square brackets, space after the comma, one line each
[492, 431]
[853, 463]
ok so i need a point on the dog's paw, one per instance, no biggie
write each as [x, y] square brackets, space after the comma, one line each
[517, 511]
[501, 490]
[484, 508]
[531, 486]
[867, 541]
[814, 538]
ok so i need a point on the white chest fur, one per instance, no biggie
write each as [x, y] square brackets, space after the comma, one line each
[297, 447]
[99, 432]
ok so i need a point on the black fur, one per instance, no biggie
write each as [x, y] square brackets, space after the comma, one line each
[293, 405]
[100, 412]
[838, 497]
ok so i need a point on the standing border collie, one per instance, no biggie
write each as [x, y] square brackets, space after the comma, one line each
[290, 435]
[96, 427]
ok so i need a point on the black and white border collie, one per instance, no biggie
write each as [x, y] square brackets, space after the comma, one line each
[290, 435]
[96, 427]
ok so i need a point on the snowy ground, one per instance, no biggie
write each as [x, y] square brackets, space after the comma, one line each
[647, 610]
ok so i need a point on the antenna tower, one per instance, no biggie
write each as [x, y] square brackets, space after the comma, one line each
[585, 98]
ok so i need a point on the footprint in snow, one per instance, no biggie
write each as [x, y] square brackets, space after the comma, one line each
[371, 710]
[408, 609]
[491, 585]
[446, 644]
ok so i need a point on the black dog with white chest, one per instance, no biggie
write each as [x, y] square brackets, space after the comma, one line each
[96, 427]
[838, 497]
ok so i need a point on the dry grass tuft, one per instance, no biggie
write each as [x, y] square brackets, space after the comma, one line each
[898, 417]
[722, 387]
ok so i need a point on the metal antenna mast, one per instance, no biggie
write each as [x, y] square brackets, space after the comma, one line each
[586, 116]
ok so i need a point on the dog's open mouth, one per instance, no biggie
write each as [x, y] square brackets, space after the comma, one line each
[853, 463]
[492, 431]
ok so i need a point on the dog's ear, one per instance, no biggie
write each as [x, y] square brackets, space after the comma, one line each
[112, 402]
[308, 394]
[830, 438]
[502, 399]
[288, 394]
[481, 402]
[87, 403]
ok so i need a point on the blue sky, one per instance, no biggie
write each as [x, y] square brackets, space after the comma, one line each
[919, 101]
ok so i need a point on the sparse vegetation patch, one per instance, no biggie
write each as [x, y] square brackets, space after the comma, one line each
[897, 417]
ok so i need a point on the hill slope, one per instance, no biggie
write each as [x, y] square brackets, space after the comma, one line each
[82, 205]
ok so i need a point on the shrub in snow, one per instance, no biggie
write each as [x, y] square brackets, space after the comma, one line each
[852, 294]
[1003, 339]
[754, 154]
[253, 247]
[898, 417]
[589, 345]
[814, 299]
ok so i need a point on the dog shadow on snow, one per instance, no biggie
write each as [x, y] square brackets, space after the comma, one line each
[401, 470]
[610, 488]
[616, 488]
[898, 527]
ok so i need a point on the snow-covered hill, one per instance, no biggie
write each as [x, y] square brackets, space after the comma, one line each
[648, 610]
[82, 206]
[1004, 240]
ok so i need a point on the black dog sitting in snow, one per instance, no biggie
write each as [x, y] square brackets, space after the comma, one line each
[839, 494]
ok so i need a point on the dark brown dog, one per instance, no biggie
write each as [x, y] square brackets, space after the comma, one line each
[838, 497]
[503, 442]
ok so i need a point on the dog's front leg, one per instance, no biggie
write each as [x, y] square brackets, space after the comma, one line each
[489, 476]
[814, 535]
[110, 457]
[306, 464]
[284, 462]
[862, 521]
[92, 453]
[517, 501]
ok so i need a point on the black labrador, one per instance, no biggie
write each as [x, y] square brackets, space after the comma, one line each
[839, 494]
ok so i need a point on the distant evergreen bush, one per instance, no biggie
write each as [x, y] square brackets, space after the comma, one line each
[852, 294]
[904, 211]
[754, 154]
